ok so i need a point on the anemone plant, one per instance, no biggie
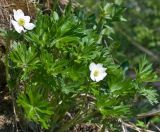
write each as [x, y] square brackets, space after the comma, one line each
[63, 72]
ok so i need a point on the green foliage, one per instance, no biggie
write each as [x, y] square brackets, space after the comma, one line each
[35, 106]
[113, 12]
[150, 94]
[23, 57]
[142, 27]
[141, 124]
[52, 62]
[144, 73]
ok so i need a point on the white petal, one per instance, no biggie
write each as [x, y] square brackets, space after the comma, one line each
[29, 26]
[103, 69]
[92, 66]
[92, 76]
[104, 74]
[97, 79]
[24, 30]
[99, 66]
[18, 14]
[18, 28]
[26, 19]
[100, 77]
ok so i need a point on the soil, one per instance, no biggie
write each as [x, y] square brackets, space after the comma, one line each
[6, 112]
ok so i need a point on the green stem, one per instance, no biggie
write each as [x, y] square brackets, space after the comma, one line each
[79, 116]
[78, 119]
[8, 42]
[70, 123]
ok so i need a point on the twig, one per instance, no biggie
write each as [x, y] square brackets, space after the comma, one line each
[27, 6]
[134, 43]
[6, 6]
[155, 127]
[99, 127]
[48, 4]
[67, 113]
[124, 128]
[152, 113]
[88, 95]
[134, 127]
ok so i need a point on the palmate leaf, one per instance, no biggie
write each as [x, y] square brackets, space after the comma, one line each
[52, 65]
[24, 57]
[60, 32]
[111, 107]
[150, 94]
[65, 41]
[35, 106]
[113, 12]
[145, 73]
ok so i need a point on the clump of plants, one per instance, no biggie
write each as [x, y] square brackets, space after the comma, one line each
[62, 70]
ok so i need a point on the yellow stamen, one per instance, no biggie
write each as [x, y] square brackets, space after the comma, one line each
[96, 73]
[21, 22]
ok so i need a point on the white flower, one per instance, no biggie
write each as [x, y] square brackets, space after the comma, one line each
[21, 22]
[98, 72]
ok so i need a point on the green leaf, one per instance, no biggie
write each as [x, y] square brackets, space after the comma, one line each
[150, 94]
[35, 106]
[24, 57]
[55, 16]
[144, 73]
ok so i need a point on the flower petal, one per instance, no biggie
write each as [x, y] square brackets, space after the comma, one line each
[26, 19]
[18, 28]
[29, 26]
[104, 74]
[18, 14]
[97, 79]
[99, 66]
[100, 77]
[92, 76]
[103, 69]
[92, 66]
[101, 72]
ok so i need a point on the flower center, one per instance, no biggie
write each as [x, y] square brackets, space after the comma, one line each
[96, 73]
[21, 22]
